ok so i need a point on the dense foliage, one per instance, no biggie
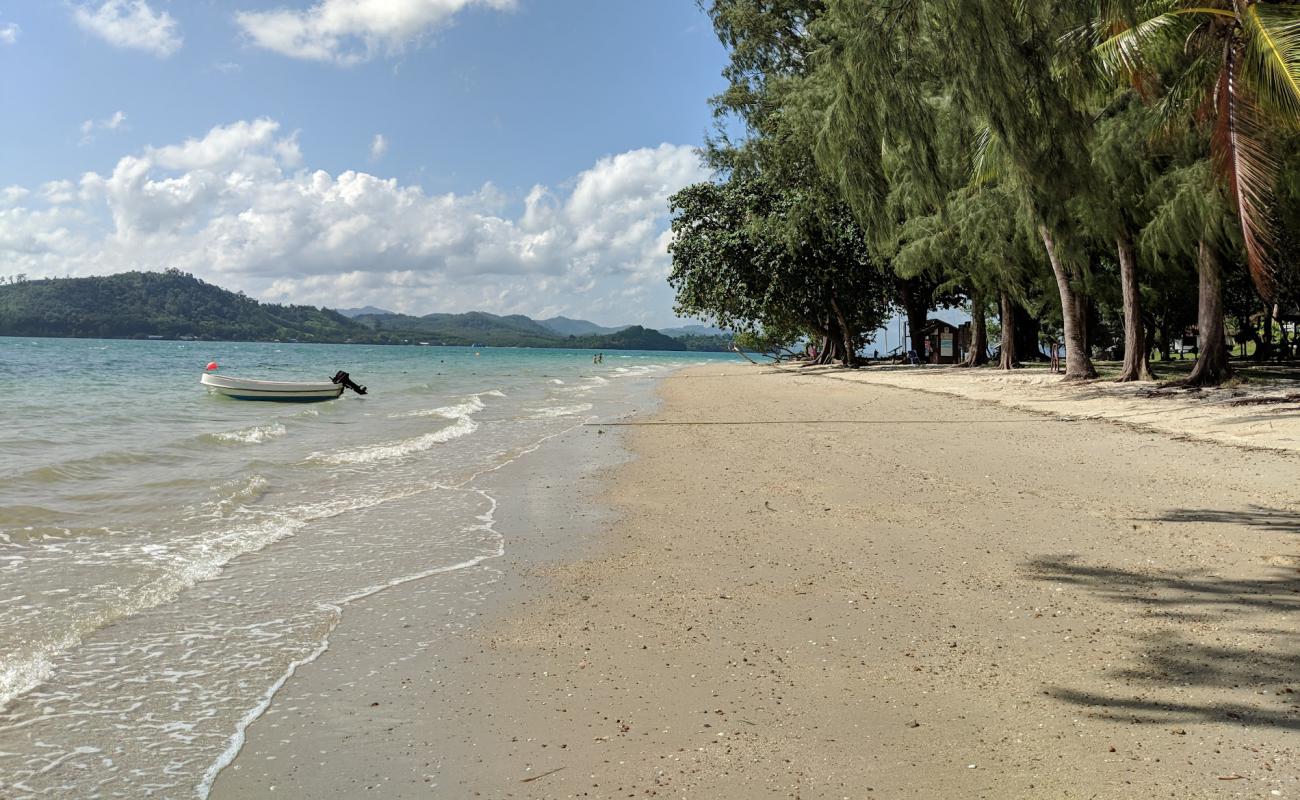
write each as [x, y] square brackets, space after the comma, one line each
[1109, 174]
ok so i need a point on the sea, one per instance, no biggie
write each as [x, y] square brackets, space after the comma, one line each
[169, 557]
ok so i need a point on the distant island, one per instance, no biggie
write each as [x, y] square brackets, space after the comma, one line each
[177, 305]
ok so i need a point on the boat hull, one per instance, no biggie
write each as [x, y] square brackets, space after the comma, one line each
[271, 391]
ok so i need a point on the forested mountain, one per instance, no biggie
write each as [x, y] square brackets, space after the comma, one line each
[476, 327]
[356, 312]
[693, 330]
[171, 304]
[174, 304]
[577, 327]
[634, 338]
[516, 330]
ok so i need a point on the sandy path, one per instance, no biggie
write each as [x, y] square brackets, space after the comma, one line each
[926, 597]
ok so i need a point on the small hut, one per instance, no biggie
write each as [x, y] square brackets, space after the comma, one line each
[941, 343]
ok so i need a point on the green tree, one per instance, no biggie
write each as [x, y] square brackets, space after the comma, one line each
[1231, 68]
[880, 76]
[752, 256]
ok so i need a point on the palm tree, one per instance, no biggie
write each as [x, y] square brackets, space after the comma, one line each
[1232, 67]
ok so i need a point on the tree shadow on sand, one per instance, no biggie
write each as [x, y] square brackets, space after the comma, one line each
[1248, 639]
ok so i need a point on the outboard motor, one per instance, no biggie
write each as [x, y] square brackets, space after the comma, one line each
[342, 377]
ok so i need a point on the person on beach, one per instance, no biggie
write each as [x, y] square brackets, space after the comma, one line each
[1056, 354]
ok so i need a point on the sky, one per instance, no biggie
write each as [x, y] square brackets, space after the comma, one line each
[510, 156]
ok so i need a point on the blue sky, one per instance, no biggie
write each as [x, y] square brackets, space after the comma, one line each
[425, 155]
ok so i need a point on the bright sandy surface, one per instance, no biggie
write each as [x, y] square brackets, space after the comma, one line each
[826, 588]
[1232, 414]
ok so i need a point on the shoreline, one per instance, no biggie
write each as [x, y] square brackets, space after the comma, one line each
[521, 491]
[817, 600]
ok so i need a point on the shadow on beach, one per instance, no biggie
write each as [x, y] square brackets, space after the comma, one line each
[1245, 640]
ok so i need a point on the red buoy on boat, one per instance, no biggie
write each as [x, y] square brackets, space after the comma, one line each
[212, 365]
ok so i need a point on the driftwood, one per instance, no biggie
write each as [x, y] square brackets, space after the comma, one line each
[539, 777]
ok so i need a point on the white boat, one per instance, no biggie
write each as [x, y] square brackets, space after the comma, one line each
[280, 391]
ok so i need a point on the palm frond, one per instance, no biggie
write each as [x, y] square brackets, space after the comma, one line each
[1189, 96]
[988, 162]
[1243, 159]
[1271, 61]
[1124, 52]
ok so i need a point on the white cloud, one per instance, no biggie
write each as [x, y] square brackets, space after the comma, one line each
[350, 31]
[58, 192]
[378, 146]
[113, 123]
[234, 207]
[9, 33]
[12, 195]
[131, 24]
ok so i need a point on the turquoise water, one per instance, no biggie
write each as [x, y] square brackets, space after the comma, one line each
[168, 557]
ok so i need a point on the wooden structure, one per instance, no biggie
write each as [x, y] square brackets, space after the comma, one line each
[942, 343]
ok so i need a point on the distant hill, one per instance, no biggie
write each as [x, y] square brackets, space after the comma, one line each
[171, 304]
[633, 338]
[577, 327]
[174, 304]
[476, 327]
[356, 312]
[694, 330]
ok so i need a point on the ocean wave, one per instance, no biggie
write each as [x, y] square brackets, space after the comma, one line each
[473, 405]
[463, 426]
[232, 497]
[89, 467]
[29, 516]
[178, 567]
[560, 411]
[254, 435]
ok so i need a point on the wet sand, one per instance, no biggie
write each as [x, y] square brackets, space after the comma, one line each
[813, 588]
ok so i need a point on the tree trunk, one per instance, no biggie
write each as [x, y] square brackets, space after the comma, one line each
[1137, 367]
[1027, 329]
[1006, 306]
[827, 354]
[916, 305]
[1166, 342]
[1264, 343]
[846, 336]
[1284, 344]
[1078, 366]
[1212, 367]
[979, 334]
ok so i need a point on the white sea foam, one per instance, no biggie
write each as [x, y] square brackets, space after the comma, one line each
[182, 567]
[473, 405]
[463, 426]
[20, 675]
[560, 411]
[236, 742]
[254, 435]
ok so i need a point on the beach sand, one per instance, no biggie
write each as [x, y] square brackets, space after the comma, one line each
[819, 588]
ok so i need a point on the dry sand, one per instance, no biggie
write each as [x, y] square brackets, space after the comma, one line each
[1260, 414]
[817, 588]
